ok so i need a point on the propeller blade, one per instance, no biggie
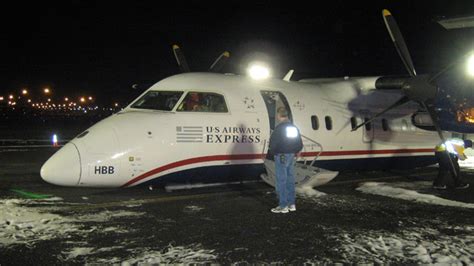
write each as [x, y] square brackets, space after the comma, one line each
[398, 41]
[178, 54]
[401, 101]
[220, 61]
[434, 118]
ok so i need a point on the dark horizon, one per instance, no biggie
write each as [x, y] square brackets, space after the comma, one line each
[103, 49]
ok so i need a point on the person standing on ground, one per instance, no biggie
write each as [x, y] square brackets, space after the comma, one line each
[443, 152]
[285, 141]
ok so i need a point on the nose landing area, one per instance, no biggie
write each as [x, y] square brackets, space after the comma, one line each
[63, 168]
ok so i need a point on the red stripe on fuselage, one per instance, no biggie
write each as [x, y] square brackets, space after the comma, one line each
[260, 156]
[193, 161]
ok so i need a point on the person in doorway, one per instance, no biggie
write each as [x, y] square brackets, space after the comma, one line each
[285, 141]
[450, 150]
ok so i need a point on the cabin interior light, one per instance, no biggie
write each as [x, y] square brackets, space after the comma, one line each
[470, 65]
[258, 71]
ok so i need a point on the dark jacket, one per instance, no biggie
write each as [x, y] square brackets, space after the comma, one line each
[281, 143]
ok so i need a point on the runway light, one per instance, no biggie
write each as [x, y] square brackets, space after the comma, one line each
[55, 140]
[470, 66]
[258, 71]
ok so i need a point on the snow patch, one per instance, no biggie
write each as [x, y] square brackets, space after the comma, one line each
[170, 254]
[420, 245]
[309, 192]
[394, 191]
[193, 208]
[27, 222]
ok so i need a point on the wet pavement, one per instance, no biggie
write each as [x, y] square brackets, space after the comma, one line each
[342, 222]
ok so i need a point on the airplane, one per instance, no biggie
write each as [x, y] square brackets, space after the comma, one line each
[214, 127]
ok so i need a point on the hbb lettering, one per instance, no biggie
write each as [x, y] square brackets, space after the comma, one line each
[104, 170]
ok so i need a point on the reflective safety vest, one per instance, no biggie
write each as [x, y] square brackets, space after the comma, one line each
[453, 148]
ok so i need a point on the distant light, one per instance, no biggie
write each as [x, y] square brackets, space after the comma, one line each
[470, 66]
[24, 92]
[82, 99]
[1, 98]
[90, 98]
[29, 100]
[10, 97]
[66, 99]
[116, 104]
[55, 140]
[49, 100]
[46, 90]
[258, 72]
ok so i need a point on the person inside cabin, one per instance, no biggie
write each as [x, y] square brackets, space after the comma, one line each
[192, 101]
[450, 151]
[285, 142]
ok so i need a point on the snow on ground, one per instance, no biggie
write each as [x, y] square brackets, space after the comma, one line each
[171, 254]
[421, 245]
[403, 190]
[26, 222]
[309, 192]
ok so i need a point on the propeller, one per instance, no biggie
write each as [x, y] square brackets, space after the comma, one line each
[419, 88]
[183, 64]
[180, 59]
[219, 62]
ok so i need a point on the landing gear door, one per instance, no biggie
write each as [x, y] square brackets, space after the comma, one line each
[273, 100]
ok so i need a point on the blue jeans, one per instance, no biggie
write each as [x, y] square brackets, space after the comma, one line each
[285, 179]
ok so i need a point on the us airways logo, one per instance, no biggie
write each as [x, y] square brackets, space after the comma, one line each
[232, 134]
[214, 134]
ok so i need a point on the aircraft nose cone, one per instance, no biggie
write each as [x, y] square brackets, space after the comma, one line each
[63, 168]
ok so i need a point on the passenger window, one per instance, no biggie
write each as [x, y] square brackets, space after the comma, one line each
[328, 121]
[203, 102]
[368, 126]
[385, 124]
[353, 122]
[315, 122]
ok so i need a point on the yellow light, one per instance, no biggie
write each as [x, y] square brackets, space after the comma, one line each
[82, 99]
[24, 92]
[46, 90]
[470, 66]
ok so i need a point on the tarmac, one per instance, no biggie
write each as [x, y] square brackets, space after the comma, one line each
[403, 221]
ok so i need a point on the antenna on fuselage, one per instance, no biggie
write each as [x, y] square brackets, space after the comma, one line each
[289, 75]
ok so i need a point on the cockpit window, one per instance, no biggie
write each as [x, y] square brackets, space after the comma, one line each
[203, 102]
[158, 100]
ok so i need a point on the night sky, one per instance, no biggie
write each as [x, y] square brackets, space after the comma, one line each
[103, 48]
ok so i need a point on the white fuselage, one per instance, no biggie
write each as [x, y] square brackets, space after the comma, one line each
[136, 146]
